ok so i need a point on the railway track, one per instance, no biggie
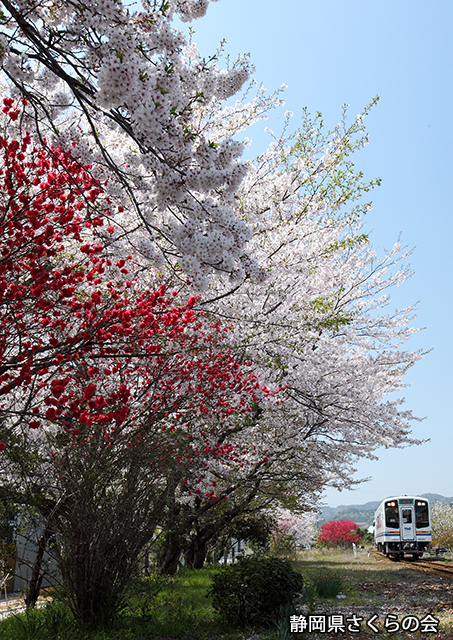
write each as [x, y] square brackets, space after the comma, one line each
[431, 566]
[436, 566]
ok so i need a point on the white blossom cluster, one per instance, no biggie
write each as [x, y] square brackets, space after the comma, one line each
[125, 91]
[442, 523]
[190, 9]
[320, 322]
[17, 66]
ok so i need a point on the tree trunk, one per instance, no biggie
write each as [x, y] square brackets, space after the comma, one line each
[169, 558]
[37, 574]
[196, 552]
[199, 556]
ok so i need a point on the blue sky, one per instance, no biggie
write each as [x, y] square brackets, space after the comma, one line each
[330, 53]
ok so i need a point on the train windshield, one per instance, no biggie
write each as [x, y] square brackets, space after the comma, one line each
[391, 515]
[421, 514]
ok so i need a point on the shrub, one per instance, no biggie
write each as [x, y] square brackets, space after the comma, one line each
[365, 536]
[252, 591]
[327, 585]
[284, 545]
[339, 533]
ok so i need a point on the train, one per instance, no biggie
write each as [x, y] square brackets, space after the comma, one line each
[402, 525]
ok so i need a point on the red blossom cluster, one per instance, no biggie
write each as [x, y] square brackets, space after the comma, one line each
[338, 533]
[47, 202]
[82, 350]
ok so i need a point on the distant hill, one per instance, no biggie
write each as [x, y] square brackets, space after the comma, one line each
[435, 497]
[363, 514]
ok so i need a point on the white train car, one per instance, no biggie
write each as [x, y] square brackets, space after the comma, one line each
[402, 525]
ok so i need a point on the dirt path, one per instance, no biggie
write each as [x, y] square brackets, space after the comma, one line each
[381, 599]
[15, 604]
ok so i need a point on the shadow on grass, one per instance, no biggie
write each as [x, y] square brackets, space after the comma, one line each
[178, 608]
[168, 609]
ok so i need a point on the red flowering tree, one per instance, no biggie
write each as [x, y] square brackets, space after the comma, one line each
[114, 394]
[338, 533]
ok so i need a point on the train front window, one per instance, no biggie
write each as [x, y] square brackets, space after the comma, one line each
[391, 515]
[407, 516]
[421, 514]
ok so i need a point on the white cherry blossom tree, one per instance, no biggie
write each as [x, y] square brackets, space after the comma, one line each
[126, 93]
[321, 321]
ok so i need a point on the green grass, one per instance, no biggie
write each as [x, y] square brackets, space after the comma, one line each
[373, 584]
[338, 571]
[178, 608]
[183, 605]
[327, 585]
[173, 608]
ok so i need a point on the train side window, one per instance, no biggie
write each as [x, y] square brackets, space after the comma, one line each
[391, 517]
[421, 515]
